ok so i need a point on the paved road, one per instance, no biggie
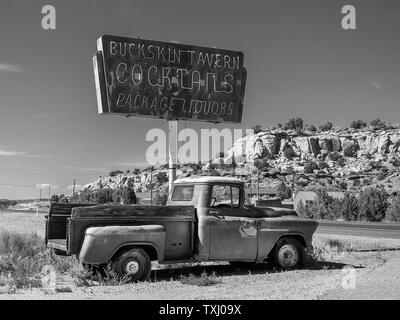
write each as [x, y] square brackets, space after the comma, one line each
[367, 229]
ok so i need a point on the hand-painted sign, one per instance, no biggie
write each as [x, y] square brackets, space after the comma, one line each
[136, 77]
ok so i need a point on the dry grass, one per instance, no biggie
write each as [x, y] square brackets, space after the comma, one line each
[203, 280]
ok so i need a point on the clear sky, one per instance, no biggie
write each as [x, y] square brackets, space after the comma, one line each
[300, 62]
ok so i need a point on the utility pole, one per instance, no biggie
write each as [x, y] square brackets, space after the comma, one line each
[172, 145]
[49, 192]
[151, 185]
[73, 189]
[258, 185]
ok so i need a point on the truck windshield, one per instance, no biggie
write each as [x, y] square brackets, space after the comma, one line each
[182, 193]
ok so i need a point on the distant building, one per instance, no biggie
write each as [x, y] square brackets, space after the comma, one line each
[310, 196]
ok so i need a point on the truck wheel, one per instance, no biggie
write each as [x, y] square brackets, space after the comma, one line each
[135, 264]
[287, 253]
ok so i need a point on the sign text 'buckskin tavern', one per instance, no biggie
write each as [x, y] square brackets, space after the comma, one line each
[173, 81]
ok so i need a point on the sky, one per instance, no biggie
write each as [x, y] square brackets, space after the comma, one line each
[299, 61]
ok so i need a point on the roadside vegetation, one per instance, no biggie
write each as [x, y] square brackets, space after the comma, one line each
[372, 204]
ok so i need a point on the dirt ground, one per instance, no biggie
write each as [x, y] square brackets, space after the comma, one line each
[375, 264]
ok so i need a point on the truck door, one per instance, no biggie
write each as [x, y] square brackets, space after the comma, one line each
[233, 236]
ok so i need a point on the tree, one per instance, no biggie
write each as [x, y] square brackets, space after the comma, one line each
[393, 211]
[373, 204]
[294, 124]
[347, 207]
[358, 124]
[129, 195]
[54, 198]
[136, 171]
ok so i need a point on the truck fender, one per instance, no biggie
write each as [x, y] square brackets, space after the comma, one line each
[101, 243]
[267, 242]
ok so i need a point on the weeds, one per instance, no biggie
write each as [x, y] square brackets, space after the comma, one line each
[104, 277]
[23, 257]
[203, 280]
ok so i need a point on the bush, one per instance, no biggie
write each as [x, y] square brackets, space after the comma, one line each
[310, 167]
[320, 208]
[257, 129]
[284, 191]
[262, 164]
[347, 208]
[23, 257]
[373, 204]
[350, 151]
[358, 124]
[393, 210]
[312, 128]
[160, 199]
[322, 165]
[289, 153]
[115, 173]
[326, 126]
[377, 123]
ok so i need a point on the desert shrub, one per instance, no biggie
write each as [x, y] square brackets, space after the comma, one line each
[294, 124]
[358, 124]
[393, 210]
[115, 173]
[341, 162]
[381, 176]
[347, 207]
[289, 153]
[312, 128]
[310, 167]
[373, 204]
[203, 280]
[322, 165]
[350, 151]
[326, 126]
[320, 208]
[160, 199]
[284, 191]
[377, 123]
[262, 164]
[23, 257]
[257, 129]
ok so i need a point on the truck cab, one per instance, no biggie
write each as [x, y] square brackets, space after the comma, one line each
[206, 218]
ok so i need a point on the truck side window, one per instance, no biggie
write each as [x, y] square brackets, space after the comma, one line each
[183, 193]
[225, 197]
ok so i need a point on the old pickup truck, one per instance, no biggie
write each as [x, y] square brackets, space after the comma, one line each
[205, 219]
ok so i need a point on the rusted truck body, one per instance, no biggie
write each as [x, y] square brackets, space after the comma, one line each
[205, 219]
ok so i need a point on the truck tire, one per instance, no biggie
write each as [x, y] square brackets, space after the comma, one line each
[287, 253]
[134, 263]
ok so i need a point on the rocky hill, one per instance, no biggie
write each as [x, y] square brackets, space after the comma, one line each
[347, 159]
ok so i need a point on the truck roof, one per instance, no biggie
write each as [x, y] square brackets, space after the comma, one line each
[207, 179]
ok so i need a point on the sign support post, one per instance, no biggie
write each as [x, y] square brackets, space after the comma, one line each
[172, 147]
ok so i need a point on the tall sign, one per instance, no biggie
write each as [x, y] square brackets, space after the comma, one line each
[136, 77]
